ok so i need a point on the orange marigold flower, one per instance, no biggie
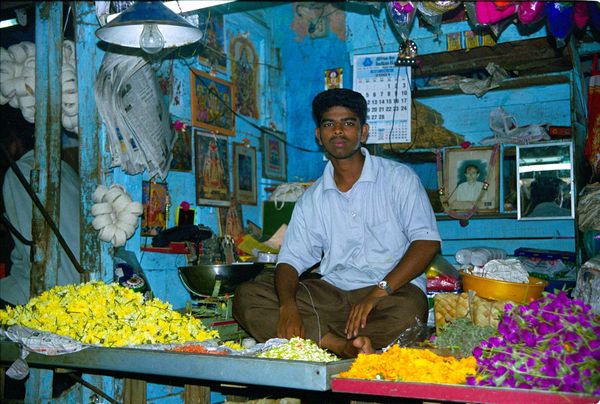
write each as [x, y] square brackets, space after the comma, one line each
[411, 365]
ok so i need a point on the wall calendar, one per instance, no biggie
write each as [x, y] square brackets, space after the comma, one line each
[387, 90]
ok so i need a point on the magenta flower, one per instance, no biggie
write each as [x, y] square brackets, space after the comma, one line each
[552, 344]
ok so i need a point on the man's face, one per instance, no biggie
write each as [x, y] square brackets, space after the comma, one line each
[341, 133]
[472, 174]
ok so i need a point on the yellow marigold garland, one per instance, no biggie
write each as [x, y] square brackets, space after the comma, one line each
[411, 365]
[107, 315]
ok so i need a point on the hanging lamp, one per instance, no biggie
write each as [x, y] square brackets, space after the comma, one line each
[151, 26]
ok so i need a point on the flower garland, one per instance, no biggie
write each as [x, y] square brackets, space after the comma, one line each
[464, 217]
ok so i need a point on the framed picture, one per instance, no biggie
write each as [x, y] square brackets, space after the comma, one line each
[466, 171]
[212, 53]
[333, 78]
[212, 103]
[212, 169]
[230, 220]
[182, 150]
[244, 173]
[245, 75]
[155, 197]
[274, 159]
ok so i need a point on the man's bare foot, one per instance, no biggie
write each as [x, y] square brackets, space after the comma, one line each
[363, 345]
[347, 348]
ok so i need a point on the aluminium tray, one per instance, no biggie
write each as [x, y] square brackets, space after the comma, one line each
[315, 376]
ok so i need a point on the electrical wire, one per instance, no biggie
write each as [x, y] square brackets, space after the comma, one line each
[316, 313]
[242, 117]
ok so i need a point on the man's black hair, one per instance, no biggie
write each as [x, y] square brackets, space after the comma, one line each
[339, 97]
[475, 166]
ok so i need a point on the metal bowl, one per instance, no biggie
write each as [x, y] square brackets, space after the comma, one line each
[217, 279]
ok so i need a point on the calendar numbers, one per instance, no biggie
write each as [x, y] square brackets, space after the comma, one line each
[387, 91]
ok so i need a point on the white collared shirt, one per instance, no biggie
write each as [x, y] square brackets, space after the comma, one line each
[360, 235]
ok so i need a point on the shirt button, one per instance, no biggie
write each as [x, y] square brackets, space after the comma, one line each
[353, 214]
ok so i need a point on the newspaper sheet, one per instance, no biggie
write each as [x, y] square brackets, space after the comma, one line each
[130, 103]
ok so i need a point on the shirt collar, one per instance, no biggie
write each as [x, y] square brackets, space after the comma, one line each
[368, 174]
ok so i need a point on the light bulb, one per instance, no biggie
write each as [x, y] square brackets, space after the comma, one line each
[151, 40]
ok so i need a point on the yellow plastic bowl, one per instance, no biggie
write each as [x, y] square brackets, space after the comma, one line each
[502, 290]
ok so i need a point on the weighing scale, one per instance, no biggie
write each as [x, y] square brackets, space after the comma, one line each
[211, 288]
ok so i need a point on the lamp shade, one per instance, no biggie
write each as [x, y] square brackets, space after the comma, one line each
[126, 29]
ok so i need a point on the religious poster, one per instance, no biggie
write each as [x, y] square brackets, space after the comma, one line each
[230, 220]
[155, 202]
[244, 173]
[212, 51]
[212, 103]
[244, 75]
[212, 170]
[273, 152]
[182, 149]
[333, 78]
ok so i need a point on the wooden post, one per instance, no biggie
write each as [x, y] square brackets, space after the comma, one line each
[134, 391]
[193, 394]
[46, 179]
[90, 157]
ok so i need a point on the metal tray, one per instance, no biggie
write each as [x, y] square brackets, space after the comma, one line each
[242, 370]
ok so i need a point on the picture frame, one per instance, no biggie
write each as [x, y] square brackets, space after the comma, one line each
[334, 78]
[244, 173]
[182, 150]
[212, 54]
[212, 169]
[274, 158]
[245, 75]
[212, 103]
[230, 220]
[466, 171]
[155, 199]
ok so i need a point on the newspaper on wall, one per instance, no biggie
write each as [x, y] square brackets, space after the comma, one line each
[136, 117]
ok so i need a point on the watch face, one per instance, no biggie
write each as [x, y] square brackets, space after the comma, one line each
[382, 284]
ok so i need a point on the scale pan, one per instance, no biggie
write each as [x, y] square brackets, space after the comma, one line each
[217, 279]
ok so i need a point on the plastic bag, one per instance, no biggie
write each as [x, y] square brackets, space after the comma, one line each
[505, 130]
[588, 284]
[442, 276]
[478, 256]
[288, 192]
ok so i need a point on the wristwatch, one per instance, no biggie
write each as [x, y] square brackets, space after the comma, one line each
[384, 285]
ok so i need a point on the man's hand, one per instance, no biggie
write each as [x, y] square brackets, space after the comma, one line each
[358, 315]
[290, 323]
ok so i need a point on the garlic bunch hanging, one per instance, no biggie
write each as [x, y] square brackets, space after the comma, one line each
[115, 214]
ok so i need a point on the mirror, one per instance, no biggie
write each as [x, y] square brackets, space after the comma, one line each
[545, 174]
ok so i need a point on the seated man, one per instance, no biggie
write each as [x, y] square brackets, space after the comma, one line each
[369, 224]
[15, 288]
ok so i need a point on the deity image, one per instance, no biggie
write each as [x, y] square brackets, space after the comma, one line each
[244, 74]
[213, 172]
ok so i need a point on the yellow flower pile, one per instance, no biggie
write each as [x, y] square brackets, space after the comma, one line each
[411, 365]
[107, 315]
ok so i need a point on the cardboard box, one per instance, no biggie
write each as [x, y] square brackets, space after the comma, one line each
[545, 254]
[560, 132]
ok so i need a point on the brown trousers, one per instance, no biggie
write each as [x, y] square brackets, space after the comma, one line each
[325, 308]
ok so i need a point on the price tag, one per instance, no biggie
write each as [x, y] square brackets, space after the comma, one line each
[386, 88]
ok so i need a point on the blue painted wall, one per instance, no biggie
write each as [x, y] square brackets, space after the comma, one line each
[292, 73]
